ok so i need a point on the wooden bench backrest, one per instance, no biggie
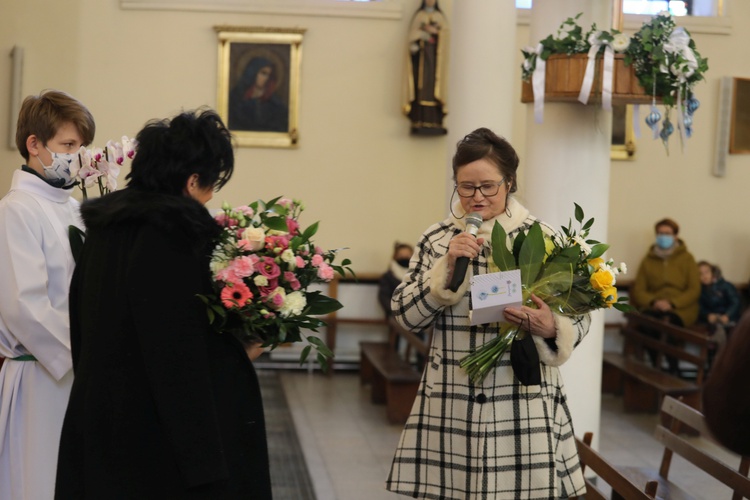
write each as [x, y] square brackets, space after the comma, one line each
[683, 414]
[619, 483]
[414, 340]
[635, 338]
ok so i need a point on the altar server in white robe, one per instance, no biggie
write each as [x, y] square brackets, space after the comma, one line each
[36, 265]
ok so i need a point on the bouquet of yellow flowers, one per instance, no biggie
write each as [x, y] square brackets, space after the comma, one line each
[567, 271]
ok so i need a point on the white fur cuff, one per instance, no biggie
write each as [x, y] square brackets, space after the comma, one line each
[439, 282]
[564, 342]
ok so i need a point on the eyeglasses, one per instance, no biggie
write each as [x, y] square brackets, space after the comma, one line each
[487, 189]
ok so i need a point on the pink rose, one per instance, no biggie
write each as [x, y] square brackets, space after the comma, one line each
[317, 260]
[267, 290]
[292, 226]
[268, 268]
[291, 278]
[325, 272]
[286, 203]
[299, 262]
[277, 299]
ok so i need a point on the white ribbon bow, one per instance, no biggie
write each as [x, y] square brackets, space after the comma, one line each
[537, 82]
[607, 77]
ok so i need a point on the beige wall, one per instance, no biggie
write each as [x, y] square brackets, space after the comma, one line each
[357, 169]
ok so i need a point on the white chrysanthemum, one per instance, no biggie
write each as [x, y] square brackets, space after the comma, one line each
[217, 265]
[289, 257]
[260, 280]
[623, 268]
[621, 42]
[294, 304]
[585, 248]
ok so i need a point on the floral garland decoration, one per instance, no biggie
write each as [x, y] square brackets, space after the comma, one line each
[666, 62]
[663, 56]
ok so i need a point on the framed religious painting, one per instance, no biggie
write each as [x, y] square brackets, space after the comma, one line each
[258, 84]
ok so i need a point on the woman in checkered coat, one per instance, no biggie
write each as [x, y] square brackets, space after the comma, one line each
[501, 438]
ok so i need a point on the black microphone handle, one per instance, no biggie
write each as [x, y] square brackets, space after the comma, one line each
[459, 273]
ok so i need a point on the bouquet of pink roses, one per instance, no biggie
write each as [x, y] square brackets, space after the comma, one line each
[262, 267]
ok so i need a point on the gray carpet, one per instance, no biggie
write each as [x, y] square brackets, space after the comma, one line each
[290, 478]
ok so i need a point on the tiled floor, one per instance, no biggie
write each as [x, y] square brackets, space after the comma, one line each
[349, 445]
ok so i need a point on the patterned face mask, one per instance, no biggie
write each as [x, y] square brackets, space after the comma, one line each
[59, 171]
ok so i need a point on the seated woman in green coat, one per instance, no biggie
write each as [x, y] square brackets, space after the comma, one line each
[667, 285]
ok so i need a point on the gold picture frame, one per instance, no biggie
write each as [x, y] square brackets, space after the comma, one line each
[258, 84]
[623, 133]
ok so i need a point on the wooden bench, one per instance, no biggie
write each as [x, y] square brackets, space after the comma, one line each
[622, 487]
[394, 379]
[681, 416]
[642, 385]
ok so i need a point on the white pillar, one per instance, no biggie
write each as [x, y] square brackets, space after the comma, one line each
[481, 76]
[568, 160]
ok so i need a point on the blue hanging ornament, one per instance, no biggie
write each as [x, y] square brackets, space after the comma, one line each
[666, 130]
[652, 120]
[692, 104]
[687, 120]
[688, 131]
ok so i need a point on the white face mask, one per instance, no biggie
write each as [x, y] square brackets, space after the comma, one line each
[60, 168]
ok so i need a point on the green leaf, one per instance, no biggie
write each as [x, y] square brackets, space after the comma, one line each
[517, 244]
[320, 345]
[76, 237]
[579, 213]
[502, 257]
[531, 255]
[319, 304]
[275, 222]
[305, 353]
[323, 362]
[597, 251]
[310, 231]
[567, 255]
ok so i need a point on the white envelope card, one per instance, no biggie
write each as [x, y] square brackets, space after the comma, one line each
[492, 293]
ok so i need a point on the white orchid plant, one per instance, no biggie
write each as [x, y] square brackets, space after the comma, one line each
[101, 166]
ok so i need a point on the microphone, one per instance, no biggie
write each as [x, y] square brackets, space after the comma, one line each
[473, 222]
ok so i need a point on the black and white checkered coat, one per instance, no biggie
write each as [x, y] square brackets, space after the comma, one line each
[497, 440]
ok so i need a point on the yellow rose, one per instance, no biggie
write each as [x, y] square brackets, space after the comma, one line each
[610, 295]
[601, 279]
[595, 263]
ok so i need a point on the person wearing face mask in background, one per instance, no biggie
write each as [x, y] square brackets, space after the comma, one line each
[36, 264]
[392, 278]
[402, 253]
[667, 285]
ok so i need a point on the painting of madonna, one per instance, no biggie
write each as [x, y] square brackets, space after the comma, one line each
[254, 103]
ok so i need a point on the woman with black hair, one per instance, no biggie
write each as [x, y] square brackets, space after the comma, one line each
[161, 406]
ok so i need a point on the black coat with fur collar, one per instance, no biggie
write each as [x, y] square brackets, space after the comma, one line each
[161, 407]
